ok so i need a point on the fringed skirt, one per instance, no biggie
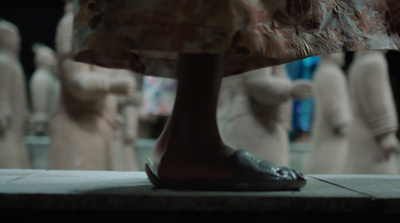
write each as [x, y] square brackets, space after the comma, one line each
[147, 36]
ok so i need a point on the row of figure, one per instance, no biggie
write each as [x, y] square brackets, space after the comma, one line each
[255, 111]
[13, 100]
[90, 117]
[83, 127]
[354, 131]
[91, 114]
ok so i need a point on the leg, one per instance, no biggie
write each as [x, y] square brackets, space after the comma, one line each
[190, 153]
[190, 145]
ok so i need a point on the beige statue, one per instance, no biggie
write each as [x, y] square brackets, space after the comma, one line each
[13, 101]
[255, 112]
[128, 117]
[44, 89]
[373, 143]
[83, 127]
[333, 117]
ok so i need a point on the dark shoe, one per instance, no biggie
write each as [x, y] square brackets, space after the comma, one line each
[251, 174]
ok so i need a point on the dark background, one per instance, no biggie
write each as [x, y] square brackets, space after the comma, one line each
[37, 21]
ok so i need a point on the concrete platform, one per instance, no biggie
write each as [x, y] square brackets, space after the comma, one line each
[98, 193]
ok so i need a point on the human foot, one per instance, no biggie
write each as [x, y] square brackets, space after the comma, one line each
[190, 153]
[249, 174]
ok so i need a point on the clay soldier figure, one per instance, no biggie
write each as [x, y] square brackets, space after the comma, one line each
[333, 117]
[13, 101]
[373, 143]
[128, 116]
[258, 116]
[83, 127]
[44, 88]
[199, 42]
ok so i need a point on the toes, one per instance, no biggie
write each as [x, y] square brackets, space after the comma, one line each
[293, 174]
[282, 172]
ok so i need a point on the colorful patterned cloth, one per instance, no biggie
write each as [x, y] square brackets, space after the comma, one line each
[303, 110]
[158, 96]
[147, 35]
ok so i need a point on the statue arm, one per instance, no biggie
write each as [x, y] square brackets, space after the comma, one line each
[6, 72]
[40, 97]
[376, 100]
[266, 88]
[131, 114]
[135, 99]
[129, 110]
[84, 83]
[89, 82]
[40, 94]
[129, 107]
[334, 101]
[286, 115]
[377, 107]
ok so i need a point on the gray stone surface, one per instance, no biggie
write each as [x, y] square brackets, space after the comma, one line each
[55, 190]
[337, 197]
[376, 186]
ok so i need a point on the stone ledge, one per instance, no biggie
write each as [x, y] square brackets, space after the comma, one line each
[131, 192]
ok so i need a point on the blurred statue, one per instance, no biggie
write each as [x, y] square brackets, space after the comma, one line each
[255, 112]
[128, 117]
[44, 89]
[82, 130]
[373, 143]
[13, 101]
[333, 117]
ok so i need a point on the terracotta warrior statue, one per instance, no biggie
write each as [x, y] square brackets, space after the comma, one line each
[255, 111]
[128, 117]
[83, 127]
[373, 143]
[333, 117]
[44, 89]
[13, 101]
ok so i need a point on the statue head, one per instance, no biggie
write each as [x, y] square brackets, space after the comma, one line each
[337, 58]
[64, 31]
[10, 38]
[68, 6]
[44, 56]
